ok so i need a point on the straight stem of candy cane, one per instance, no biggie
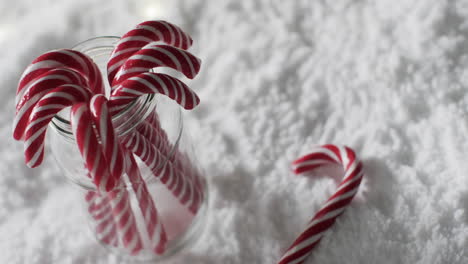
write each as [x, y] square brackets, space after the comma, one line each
[90, 149]
[119, 200]
[152, 130]
[125, 219]
[181, 186]
[335, 205]
[154, 226]
[41, 115]
[105, 225]
[115, 156]
[112, 151]
[100, 210]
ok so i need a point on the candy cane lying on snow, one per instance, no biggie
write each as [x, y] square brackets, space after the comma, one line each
[335, 205]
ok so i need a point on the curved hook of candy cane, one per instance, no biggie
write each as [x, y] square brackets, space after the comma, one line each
[335, 205]
[153, 83]
[33, 92]
[62, 58]
[141, 35]
[106, 133]
[156, 55]
[43, 112]
[89, 147]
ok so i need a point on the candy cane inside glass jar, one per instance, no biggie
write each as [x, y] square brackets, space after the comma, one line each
[152, 128]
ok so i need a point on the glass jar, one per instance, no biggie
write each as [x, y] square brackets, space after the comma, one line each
[168, 195]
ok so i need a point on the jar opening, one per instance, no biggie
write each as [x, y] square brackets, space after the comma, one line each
[124, 121]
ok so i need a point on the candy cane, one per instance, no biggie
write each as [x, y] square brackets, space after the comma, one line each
[36, 90]
[63, 58]
[156, 137]
[43, 112]
[126, 223]
[181, 186]
[99, 208]
[154, 227]
[82, 125]
[113, 155]
[336, 204]
[153, 83]
[90, 149]
[144, 33]
[156, 55]
[152, 131]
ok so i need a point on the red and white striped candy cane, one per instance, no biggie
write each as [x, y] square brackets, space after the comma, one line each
[144, 33]
[36, 90]
[43, 112]
[155, 135]
[183, 187]
[90, 149]
[115, 157]
[100, 210]
[125, 219]
[132, 79]
[63, 58]
[156, 138]
[112, 151]
[119, 200]
[153, 83]
[157, 55]
[336, 204]
[154, 226]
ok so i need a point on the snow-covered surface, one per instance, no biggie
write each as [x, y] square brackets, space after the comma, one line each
[388, 78]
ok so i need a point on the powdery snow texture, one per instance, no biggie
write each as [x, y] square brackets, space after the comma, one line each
[388, 78]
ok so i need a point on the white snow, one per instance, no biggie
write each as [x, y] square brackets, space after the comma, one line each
[388, 78]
